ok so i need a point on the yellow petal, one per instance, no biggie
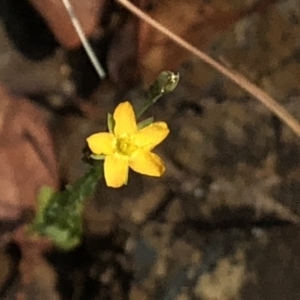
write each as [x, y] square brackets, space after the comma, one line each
[101, 143]
[147, 163]
[115, 171]
[125, 119]
[150, 136]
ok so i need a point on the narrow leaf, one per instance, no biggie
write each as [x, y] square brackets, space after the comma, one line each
[145, 123]
[110, 123]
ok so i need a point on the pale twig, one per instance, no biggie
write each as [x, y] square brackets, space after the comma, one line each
[86, 45]
[237, 78]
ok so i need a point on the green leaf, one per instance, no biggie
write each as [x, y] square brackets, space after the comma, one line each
[145, 123]
[64, 239]
[59, 215]
[97, 157]
[43, 198]
[111, 123]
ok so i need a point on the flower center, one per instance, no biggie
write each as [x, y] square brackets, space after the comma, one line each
[125, 146]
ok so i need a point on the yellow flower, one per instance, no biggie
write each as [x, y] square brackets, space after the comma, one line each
[128, 147]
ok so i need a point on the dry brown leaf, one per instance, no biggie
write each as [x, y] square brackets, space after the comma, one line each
[27, 157]
[55, 14]
[122, 57]
[197, 22]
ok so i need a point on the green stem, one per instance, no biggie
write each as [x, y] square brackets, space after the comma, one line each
[150, 102]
